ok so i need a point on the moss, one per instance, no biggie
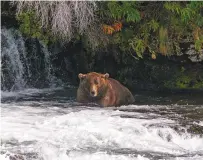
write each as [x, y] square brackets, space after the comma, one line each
[198, 85]
[184, 80]
[31, 27]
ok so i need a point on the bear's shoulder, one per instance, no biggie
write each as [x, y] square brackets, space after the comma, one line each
[115, 83]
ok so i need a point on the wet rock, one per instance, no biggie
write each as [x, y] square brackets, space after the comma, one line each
[193, 55]
[14, 156]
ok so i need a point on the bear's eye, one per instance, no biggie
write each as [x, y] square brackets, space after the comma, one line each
[95, 81]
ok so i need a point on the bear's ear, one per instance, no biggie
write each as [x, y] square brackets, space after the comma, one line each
[81, 76]
[105, 76]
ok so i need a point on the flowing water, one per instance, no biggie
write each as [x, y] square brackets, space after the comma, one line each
[24, 63]
[49, 124]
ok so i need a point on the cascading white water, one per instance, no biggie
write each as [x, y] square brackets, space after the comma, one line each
[12, 48]
[48, 64]
[21, 65]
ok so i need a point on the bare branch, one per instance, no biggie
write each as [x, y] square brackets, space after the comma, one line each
[63, 17]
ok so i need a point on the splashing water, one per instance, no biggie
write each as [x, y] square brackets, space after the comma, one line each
[13, 48]
[52, 126]
[22, 66]
[48, 65]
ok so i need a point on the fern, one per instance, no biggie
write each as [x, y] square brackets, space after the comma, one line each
[173, 7]
[153, 25]
[186, 14]
[124, 10]
[131, 13]
[138, 46]
[115, 10]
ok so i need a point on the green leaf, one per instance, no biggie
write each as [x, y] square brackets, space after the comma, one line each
[138, 46]
[154, 25]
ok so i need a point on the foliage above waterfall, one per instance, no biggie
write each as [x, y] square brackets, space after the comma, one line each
[30, 26]
[156, 27]
[140, 27]
[65, 19]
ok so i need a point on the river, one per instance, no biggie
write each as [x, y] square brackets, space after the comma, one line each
[48, 124]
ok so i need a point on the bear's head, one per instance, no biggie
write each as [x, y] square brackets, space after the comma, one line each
[94, 84]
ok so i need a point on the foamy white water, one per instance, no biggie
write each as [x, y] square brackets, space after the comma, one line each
[51, 130]
[27, 92]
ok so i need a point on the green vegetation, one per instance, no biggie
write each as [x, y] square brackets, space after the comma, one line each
[185, 80]
[30, 26]
[140, 27]
[136, 34]
[157, 27]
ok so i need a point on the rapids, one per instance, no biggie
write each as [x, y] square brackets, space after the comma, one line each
[48, 124]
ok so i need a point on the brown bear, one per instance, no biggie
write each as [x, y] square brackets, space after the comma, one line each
[100, 89]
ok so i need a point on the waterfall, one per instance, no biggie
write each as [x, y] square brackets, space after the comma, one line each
[12, 50]
[24, 65]
[48, 65]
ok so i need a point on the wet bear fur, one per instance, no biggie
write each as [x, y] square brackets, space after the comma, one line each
[99, 88]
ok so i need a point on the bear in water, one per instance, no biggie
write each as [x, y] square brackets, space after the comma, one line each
[100, 89]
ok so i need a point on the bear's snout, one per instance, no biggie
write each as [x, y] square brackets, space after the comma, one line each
[93, 93]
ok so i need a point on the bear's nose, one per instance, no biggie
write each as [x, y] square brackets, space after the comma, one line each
[92, 93]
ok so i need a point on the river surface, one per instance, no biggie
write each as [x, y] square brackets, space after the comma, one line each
[48, 124]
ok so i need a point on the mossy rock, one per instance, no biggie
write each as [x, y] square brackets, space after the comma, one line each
[186, 80]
